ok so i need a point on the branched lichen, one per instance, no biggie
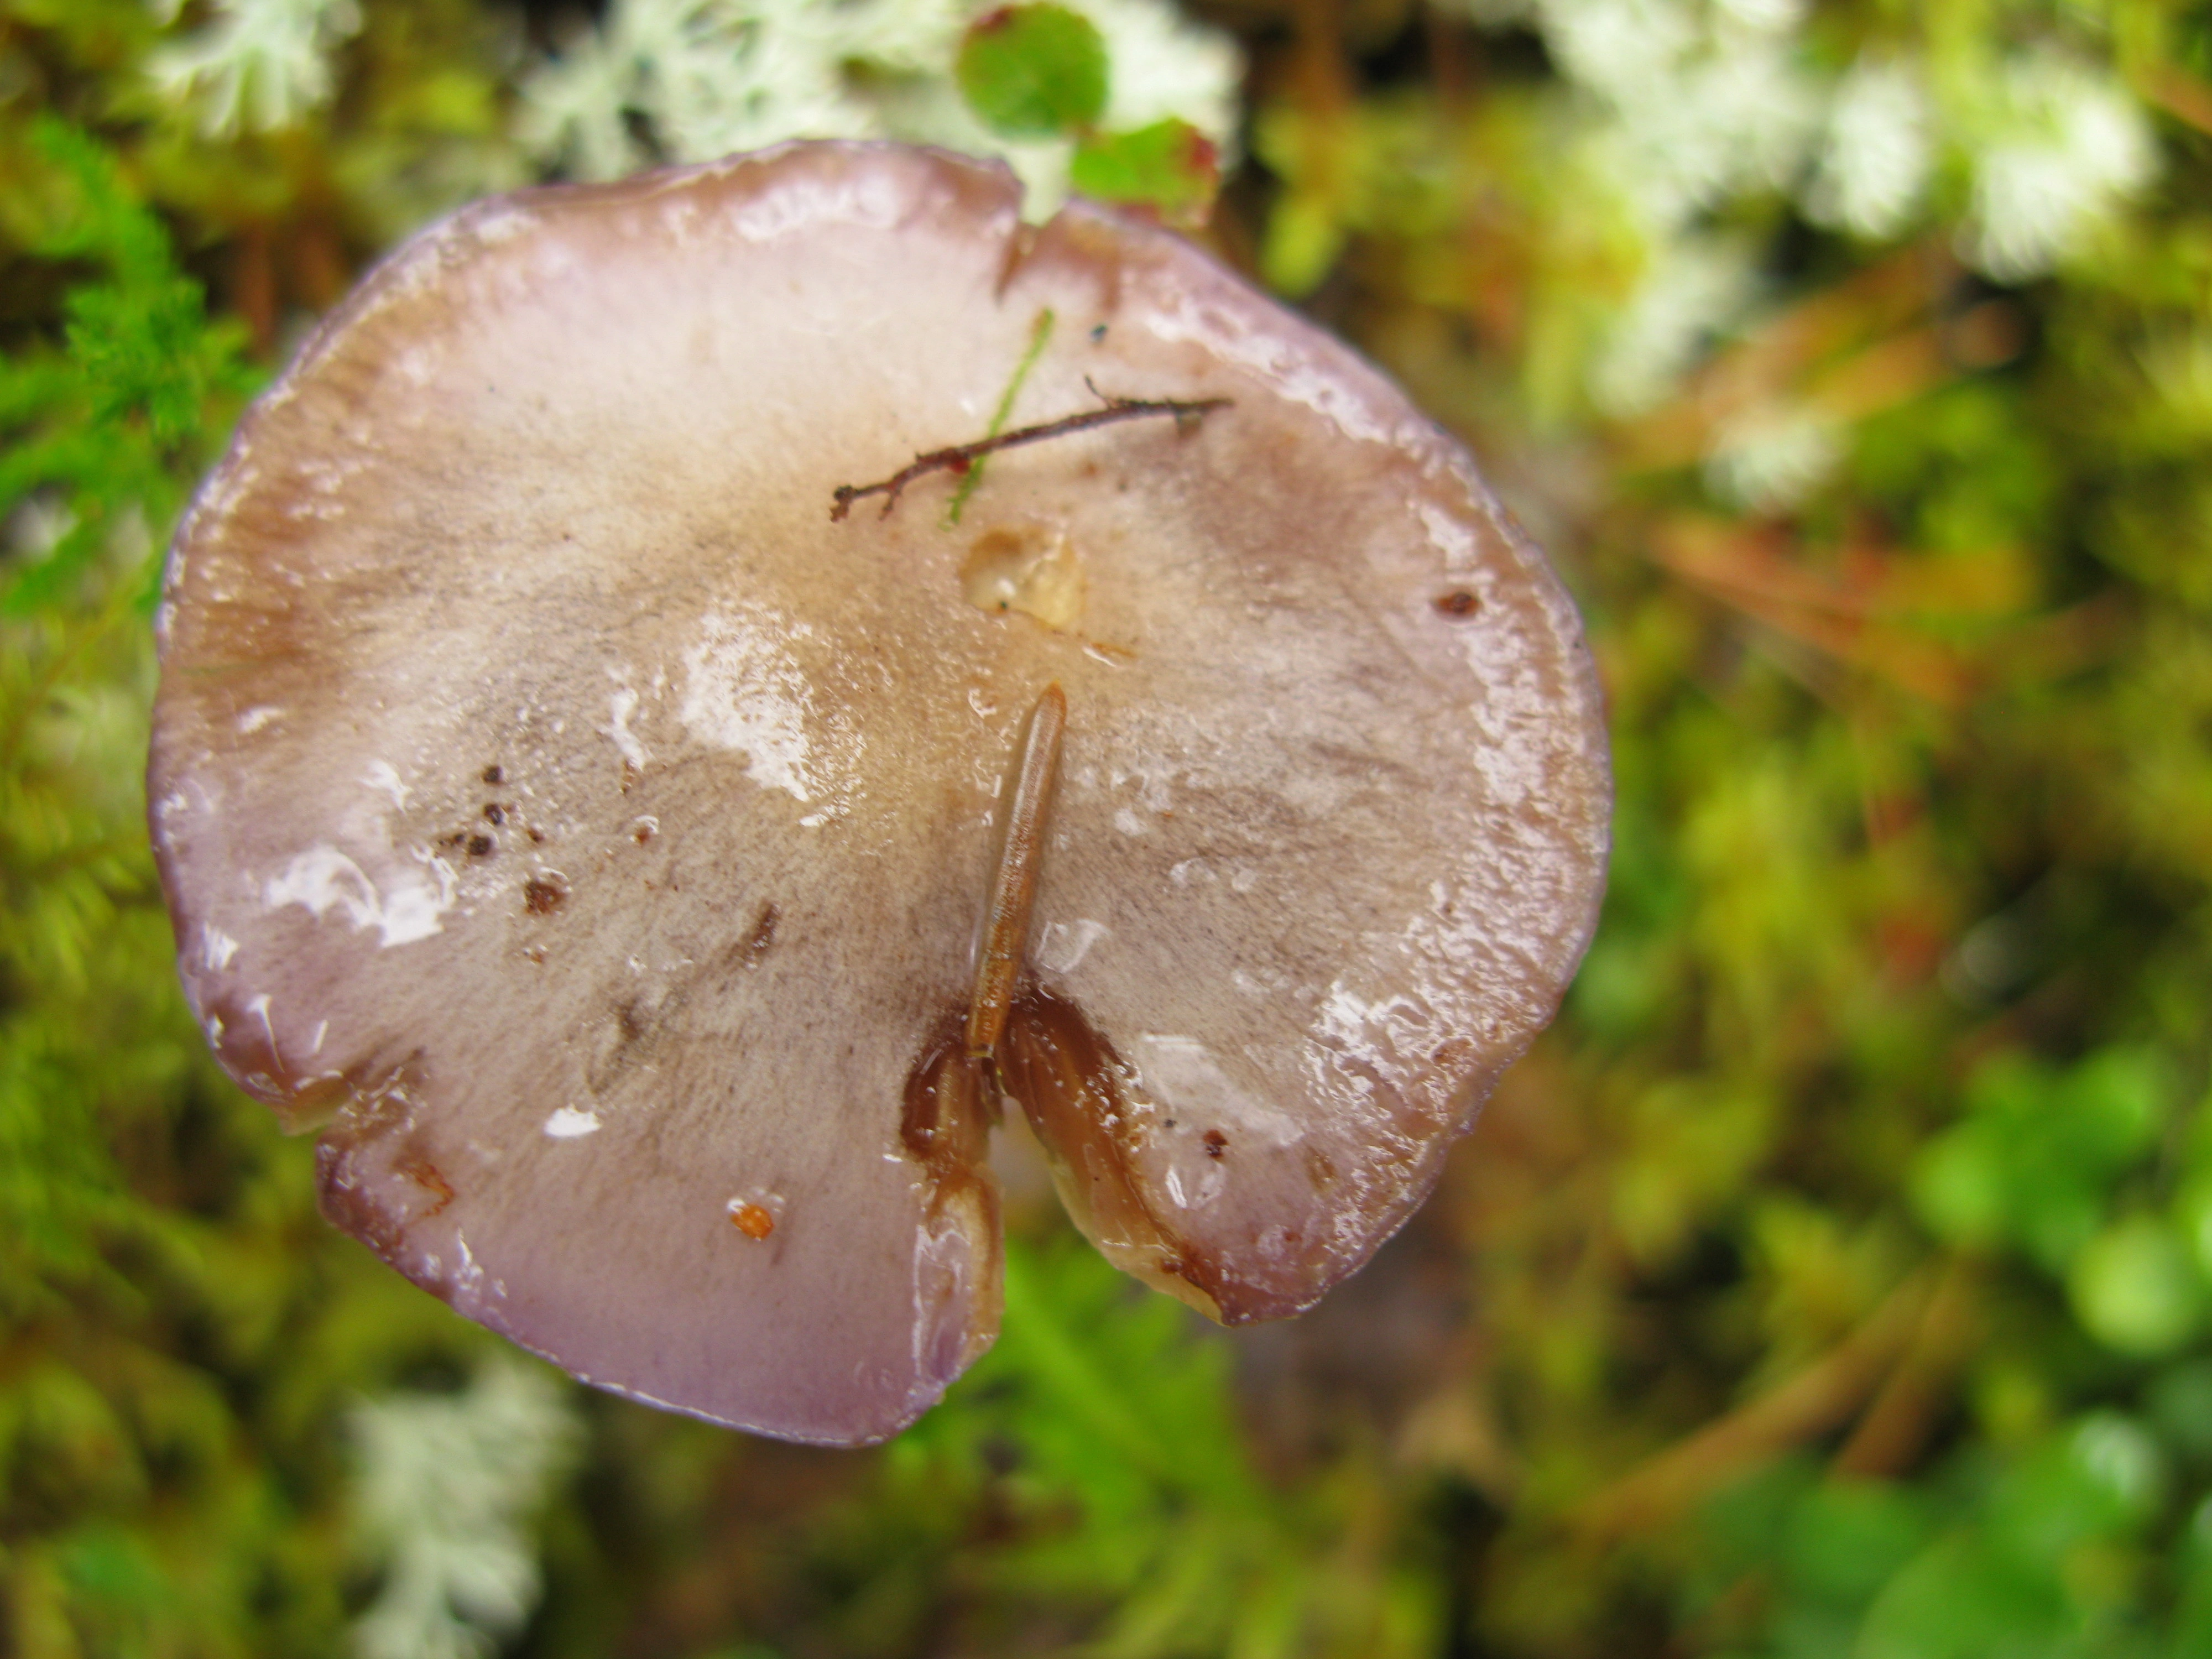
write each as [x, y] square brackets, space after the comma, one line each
[257, 65]
[447, 1485]
[692, 80]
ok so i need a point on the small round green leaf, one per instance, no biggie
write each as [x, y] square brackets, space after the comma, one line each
[2136, 1289]
[1169, 166]
[1033, 72]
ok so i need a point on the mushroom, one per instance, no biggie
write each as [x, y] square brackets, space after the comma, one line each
[650, 884]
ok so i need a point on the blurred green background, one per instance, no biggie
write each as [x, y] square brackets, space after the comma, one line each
[1834, 1281]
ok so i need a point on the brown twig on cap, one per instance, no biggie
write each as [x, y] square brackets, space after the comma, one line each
[960, 456]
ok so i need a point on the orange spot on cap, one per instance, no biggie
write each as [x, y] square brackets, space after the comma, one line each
[751, 1220]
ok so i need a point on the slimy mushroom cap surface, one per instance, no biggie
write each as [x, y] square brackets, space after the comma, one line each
[588, 836]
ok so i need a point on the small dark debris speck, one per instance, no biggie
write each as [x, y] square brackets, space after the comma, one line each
[1216, 1143]
[1098, 332]
[763, 933]
[541, 897]
[493, 812]
[536, 834]
[1459, 602]
[493, 775]
[479, 847]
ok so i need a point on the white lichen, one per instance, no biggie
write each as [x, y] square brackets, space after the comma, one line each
[258, 65]
[1164, 64]
[1691, 109]
[1771, 457]
[1682, 110]
[1619, 49]
[1736, 118]
[702, 77]
[445, 1488]
[692, 80]
[2065, 148]
[1877, 150]
[36, 525]
[1696, 287]
[1764, 16]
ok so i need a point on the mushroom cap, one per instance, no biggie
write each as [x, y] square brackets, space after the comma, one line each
[558, 809]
